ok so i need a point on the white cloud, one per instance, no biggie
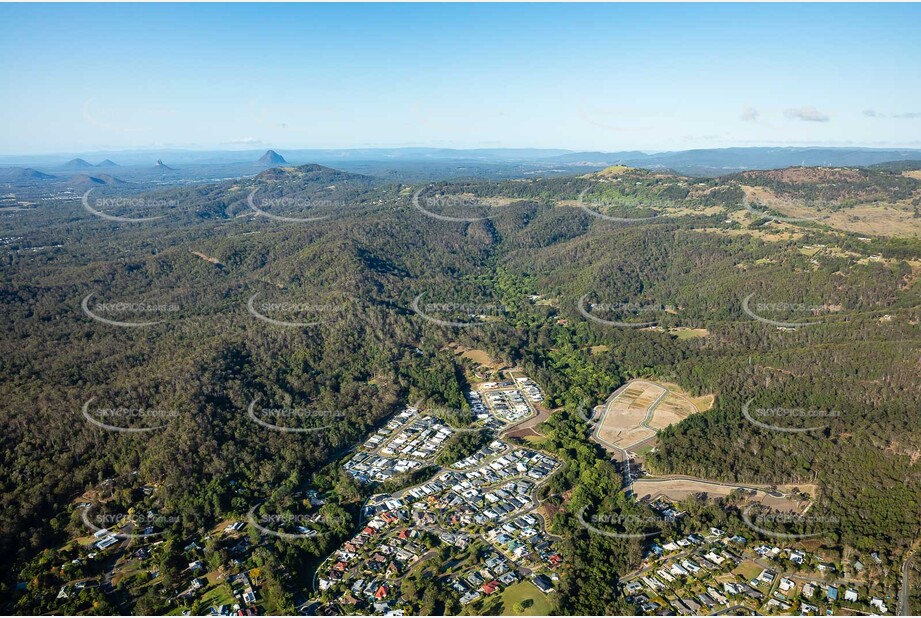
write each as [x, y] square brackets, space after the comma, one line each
[750, 114]
[807, 114]
[246, 140]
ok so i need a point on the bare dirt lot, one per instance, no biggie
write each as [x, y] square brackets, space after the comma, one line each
[622, 423]
[672, 409]
[679, 489]
[641, 408]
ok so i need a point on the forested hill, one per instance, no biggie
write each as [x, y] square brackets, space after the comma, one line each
[348, 255]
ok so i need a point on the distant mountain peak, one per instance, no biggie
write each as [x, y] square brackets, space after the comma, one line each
[77, 164]
[23, 173]
[163, 166]
[99, 179]
[107, 163]
[310, 172]
[272, 158]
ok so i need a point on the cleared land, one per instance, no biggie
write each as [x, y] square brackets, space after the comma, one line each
[702, 403]
[642, 408]
[878, 219]
[672, 409]
[681, 488]
[207, 258]
[480, 357]
[683, 332]
[622, 424]
[534, 601]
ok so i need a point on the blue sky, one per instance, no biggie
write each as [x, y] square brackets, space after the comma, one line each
[78, 78]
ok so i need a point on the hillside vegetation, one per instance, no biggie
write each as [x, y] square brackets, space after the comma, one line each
[363, 252]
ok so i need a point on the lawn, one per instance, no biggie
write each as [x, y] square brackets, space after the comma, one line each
[644, 450]
[523, 592]
[535, 441]
[748, 569]
[684, 333]
[217, 596]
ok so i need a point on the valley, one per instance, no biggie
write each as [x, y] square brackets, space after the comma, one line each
[353, 406]
[460, 309]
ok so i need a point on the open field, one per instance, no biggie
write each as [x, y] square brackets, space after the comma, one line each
[680, 332]
[681, 488]
[683, 332]
[481, 357]
[748, 569]
[878, 219]
[527, 593]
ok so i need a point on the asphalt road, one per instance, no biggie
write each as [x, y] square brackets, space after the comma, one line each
[905, 590]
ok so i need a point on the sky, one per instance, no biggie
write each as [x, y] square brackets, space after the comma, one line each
[611, 77]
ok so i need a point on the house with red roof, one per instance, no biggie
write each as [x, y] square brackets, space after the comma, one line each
[490, 587]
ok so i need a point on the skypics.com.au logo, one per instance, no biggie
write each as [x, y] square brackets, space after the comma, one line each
[779, 418]
[602, 313]
[778, 524]
[756, 311]
[99, 206]
[272, 207]
[291, 420]
[124, 309]
[128, 420]
[448, 314]
[101, 524]
[621, 525]
[435, 205]
[306, 314]
[303, 526]
[762, 213]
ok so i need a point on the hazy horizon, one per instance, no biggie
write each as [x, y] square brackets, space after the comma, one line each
[582, 78]
[12, 158]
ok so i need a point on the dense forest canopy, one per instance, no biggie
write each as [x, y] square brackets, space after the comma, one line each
[352, 268]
